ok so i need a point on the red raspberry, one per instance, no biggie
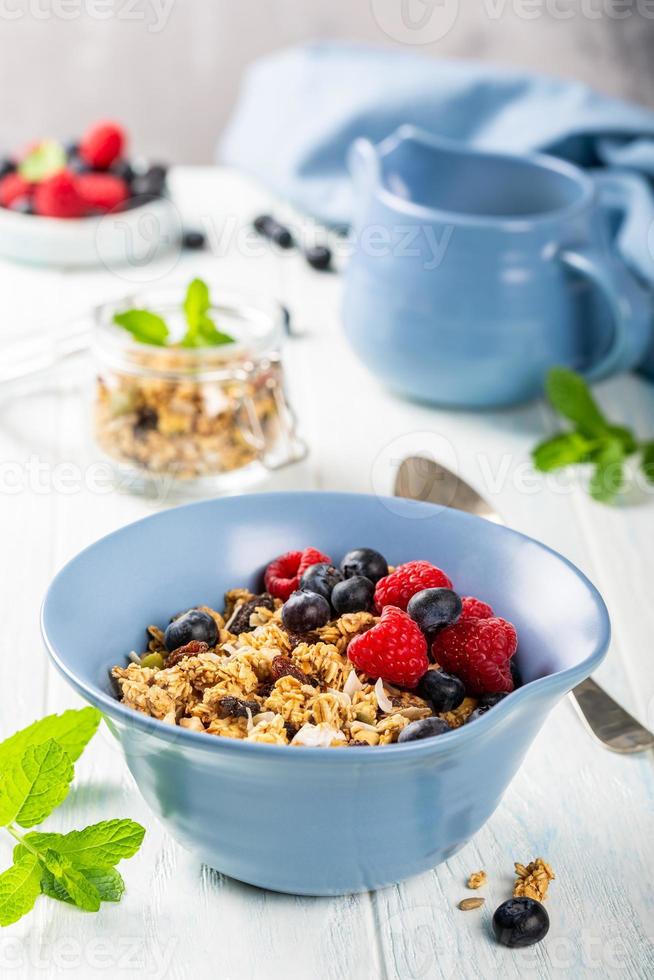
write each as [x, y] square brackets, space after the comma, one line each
[104, 192]
[282, 576]
[475, 608]
[395, 649]
[58, 197]
[102, 144]
[479, 652]
[12, 187]
[397, 588]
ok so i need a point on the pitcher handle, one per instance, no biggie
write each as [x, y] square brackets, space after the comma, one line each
[624, 298]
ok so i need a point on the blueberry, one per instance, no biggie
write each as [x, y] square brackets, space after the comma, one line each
[194, 240]
[71, 149]
[152, 183]
[78, 165]
[23, 205]
[305, 611]
[321, 578]
[366, 562]
[269, 227]
[124, 170]
[486, 702]
[355, 594]
[432, 608]
[520, 922]
[444, 692]
[7, 166]
[191, 625]
[515, 673]
[319, 257]
[423, 728]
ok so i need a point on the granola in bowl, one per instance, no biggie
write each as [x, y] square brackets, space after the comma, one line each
[355, 655]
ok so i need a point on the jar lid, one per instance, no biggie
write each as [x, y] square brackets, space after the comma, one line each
[254, 321]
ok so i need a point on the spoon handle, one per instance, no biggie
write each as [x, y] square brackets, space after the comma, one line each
[614, 727]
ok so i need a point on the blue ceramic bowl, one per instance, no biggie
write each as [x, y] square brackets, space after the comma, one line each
[350, 819]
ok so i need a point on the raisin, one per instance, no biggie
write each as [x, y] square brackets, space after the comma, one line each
[236, 708]
[188, 650]
[284, 667]
[146, 420]
[291, 730]
[240, 621]
[296, 638]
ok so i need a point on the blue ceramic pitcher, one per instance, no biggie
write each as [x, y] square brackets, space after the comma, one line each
[474, 272]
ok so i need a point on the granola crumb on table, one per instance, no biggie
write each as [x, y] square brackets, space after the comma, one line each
[477, 879]
[266, 685]
[533, 880]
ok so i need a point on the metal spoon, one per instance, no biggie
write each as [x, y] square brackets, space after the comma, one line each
[419, 478]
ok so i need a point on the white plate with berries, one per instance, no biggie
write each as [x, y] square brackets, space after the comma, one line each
[84, 204]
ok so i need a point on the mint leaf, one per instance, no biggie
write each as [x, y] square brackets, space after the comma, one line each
[99, 846]
[625, 437]
[608, 478]
[146, 327]
[75, 884]
[45, 160]
[72, 730]
[107, 881]
[202, 331]
[570, 396]
[33, 786]
[647, 460]
[20, 886]
[561, 450]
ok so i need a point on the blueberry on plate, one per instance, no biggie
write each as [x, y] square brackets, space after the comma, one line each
[321, 578]
[305, 611]
[444, 692]
[423, 728]
[515, 673]
[520, 922]
[366, 562]
[191, 625]
[319, 257]
[485, 703]
[355, 594]
[432, 608]
[23, 205]
[7, 166]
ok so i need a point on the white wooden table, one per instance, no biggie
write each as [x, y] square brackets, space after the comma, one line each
[590, 813]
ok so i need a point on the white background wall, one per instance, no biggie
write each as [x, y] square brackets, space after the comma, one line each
[170, 68]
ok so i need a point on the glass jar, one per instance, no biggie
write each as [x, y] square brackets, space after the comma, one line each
[212, 417]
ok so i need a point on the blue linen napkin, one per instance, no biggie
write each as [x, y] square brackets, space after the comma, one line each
[301, 108]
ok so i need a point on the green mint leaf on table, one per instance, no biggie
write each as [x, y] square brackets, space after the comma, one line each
[562, 450]
[647, 460]
[593, 440]
[570, 396]
[20, 886]
[144, 326]
[36, 769]
[80, 890]
[72, 730]
[107, 882]
[102, 845]
[45, 160]
[201, 329]
[608, 476]
[33, 786]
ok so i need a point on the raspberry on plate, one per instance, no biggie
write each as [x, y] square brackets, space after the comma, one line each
[58, 197]
[12, 187]
[102, 192]
[395, 649]
[102, 144]
[397, 588]
[283, 574]
[478, 651]
[475, 608]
